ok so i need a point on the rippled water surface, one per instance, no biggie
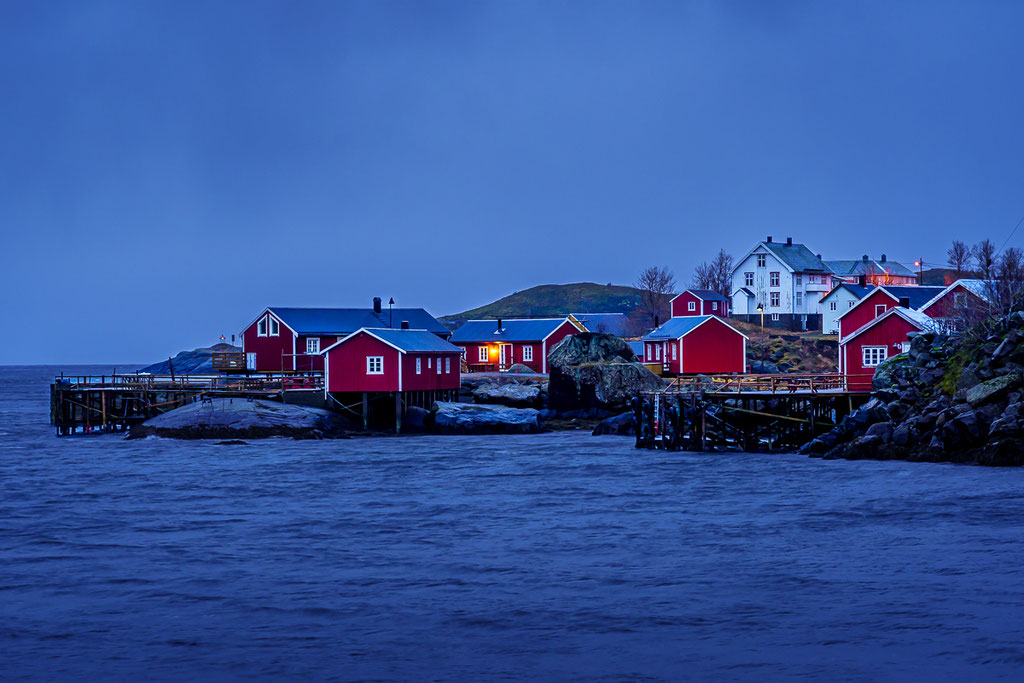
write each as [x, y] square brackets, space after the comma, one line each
[542, 557]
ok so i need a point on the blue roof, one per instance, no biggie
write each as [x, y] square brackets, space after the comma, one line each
[677, 327]
[522, 330]
[419, 341]
[856, 290]
[638, 348]
[796, 256]
[342, 321]
[918, 295]
[609, 323]
[707, 294]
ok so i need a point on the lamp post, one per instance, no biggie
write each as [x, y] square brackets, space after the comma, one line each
[920, 271]
[391, 317]
[764, 343]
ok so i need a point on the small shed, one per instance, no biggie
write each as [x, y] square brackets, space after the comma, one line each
[879, 301]
[699, 302]
[864, 349]
[959, 305]
[389, 360]
[496, 345]
[692, 345]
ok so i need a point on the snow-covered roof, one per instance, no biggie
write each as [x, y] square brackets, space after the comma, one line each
[980, 288]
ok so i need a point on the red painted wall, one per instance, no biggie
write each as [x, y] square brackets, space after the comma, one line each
[428, 379]
[268, 350]
[538, 364]
[346, 368]
[887, 333]
[864, 312]
[680, 306]
[945, 307]
[712, 348]
[306, 363]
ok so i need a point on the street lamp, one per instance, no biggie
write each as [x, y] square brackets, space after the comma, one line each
[764, 343]
[391, 317]
[760, 309]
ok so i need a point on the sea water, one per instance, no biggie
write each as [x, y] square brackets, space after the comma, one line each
[555, 556]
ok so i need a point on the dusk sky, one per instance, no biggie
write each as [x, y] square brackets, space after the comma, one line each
[170, 168]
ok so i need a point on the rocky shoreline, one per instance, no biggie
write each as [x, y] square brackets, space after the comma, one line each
[949, 399]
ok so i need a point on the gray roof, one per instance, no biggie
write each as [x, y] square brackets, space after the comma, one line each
[677, 327]
[342, 321]
[519, 330]
[869, 267]
[610, 323]
[707, 294]
[918, 296]
[746, 291]
[796, 256]
[419, 341]
[856, 290]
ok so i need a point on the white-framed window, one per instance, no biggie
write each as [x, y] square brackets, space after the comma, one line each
[748, 279]
[313, 345]
[879, 309]
[438, 364]
[800, 279]
[482, 355]
[833, 306]
[691, 306]
[873, 355]
[462, 351]
[657, 352]
[375, 365]
[430, 362]
[261, 327]
[275, 328]
[419, 366]
[527, 352]
[851, 304]
[714, 305]
[650, 352]
[773, 278]
[447, 365]
[775, 317]
[799, 298]
[675, 350]
[775, 299]
[761, 260]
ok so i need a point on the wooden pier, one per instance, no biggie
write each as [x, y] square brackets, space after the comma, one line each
[113, 403]
[748, 413]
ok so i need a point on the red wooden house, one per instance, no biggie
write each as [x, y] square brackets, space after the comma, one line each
[862, 350]
[879, 301]
[291, 339]
[962, 303]
[690, 345]
[491, 345]
[389, 360]
[700, 302]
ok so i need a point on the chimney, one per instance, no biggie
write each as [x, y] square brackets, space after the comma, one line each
[904, 302]
[405, 324]
[862, 280]
[769, 239]
[789, 241]
[499, 325]
[376, 304]
[819, 256]
[656, 317]
[864, 257]
[883, 258]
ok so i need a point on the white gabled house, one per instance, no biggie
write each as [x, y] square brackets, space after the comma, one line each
[842, 298]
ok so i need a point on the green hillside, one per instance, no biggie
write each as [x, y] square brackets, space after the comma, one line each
[581, 297]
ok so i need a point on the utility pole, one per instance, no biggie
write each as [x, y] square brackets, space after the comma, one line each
[920, 271]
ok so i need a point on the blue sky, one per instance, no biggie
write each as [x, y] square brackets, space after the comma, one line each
[169, 168]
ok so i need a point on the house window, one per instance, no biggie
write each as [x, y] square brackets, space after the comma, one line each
[691, 306]
[430, 362]
[650, 352]
[773, 278]
[775, 299]
[527, 352]
[261, 328]
[482, 354]
[313, 345]
[438, 365]
[800, 279]
[275, 328]
[714, 305]
[447, 365]
[748, 279]
[462, 351]
[375, 365]
[419, 366]
[760, 260]
[851, 304]
[675, 350]
[959, 300]
[775, 317]
[879, 309]
[833, 306]
[799, 298]
[657, 352]
[873, 355]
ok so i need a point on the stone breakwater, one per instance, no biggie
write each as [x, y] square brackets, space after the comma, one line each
[949, 399]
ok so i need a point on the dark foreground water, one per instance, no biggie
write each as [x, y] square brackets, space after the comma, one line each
[530, 557]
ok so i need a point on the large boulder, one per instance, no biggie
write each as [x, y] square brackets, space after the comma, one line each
[991, 390]
[469, 418]
[515, 395]
[621, 425]
[239, 418]
[520, 369]
[593, 370]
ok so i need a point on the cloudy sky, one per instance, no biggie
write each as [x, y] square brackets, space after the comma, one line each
[169, 168]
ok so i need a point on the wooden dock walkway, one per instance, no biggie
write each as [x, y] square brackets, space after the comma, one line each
[112, 403]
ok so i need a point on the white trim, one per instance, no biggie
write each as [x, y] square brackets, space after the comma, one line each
[744, 356]
[315, 341]
[884, 348]
[369, 364]
[271, 312]
[557, 327]
[327, 376]
[399, 372]
[527, 347]
[692, 305]
[369, 331]
[866, 297]
[543, 355]
[874, 321]
[935, 299]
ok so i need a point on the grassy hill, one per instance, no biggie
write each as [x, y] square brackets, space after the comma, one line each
[581, 297]
[943, 276]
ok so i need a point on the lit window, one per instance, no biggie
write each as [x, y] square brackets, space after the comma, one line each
[261, 328]
[775, 300]
[275, 328]
[313, 345]
[691, 306]
[748, 279]
[527, 353]
[482, 354]
[873, 355]
[760, 260]
[375, 365]
[447, 365]
[419, 366]
[773, 278]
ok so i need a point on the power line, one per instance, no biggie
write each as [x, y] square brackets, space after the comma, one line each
[1011, 233]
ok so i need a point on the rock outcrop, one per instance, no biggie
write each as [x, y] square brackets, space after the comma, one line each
[592, 370]
[468, 418]
[949, 399]
[620, 425]
[195, 362]
[238, 418]
[514, 395]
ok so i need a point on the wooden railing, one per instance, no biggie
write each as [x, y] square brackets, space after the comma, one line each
[262, 383]
[772, 384]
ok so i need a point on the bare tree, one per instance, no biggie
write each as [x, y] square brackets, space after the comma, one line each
[959, 256]
[984, 253]
[656, 285]
[716, 275]
[1006, 289]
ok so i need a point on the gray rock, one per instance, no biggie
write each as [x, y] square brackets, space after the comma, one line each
[902, 435]
[592, 370]
[238, 418]
[760, 367]
[883, 430]
[416, 418]
[520, 369]
[515, 395]
[991, 390]
[964, 430]
[621, 425]
[468, 418]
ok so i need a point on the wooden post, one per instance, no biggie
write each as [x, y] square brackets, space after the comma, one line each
[103, 405]
[366, 410]
[398, 412]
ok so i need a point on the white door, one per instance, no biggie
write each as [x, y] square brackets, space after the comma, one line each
[250, 361]
[501, 354]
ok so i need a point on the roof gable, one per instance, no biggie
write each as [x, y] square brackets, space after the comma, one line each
[978, 288]
[340, 321]
[916, 318]
[684, 325]
[404, 341]
[796, 258]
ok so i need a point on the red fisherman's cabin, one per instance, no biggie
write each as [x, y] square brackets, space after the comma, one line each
[292, 339]
[863, 350]
[961, 304]
[491, 345]
[880, 301]
[690, 345]
[700, 302]
[387, 360]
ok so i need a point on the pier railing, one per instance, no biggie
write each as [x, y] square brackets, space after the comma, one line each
[263, 383]
[760, 384]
